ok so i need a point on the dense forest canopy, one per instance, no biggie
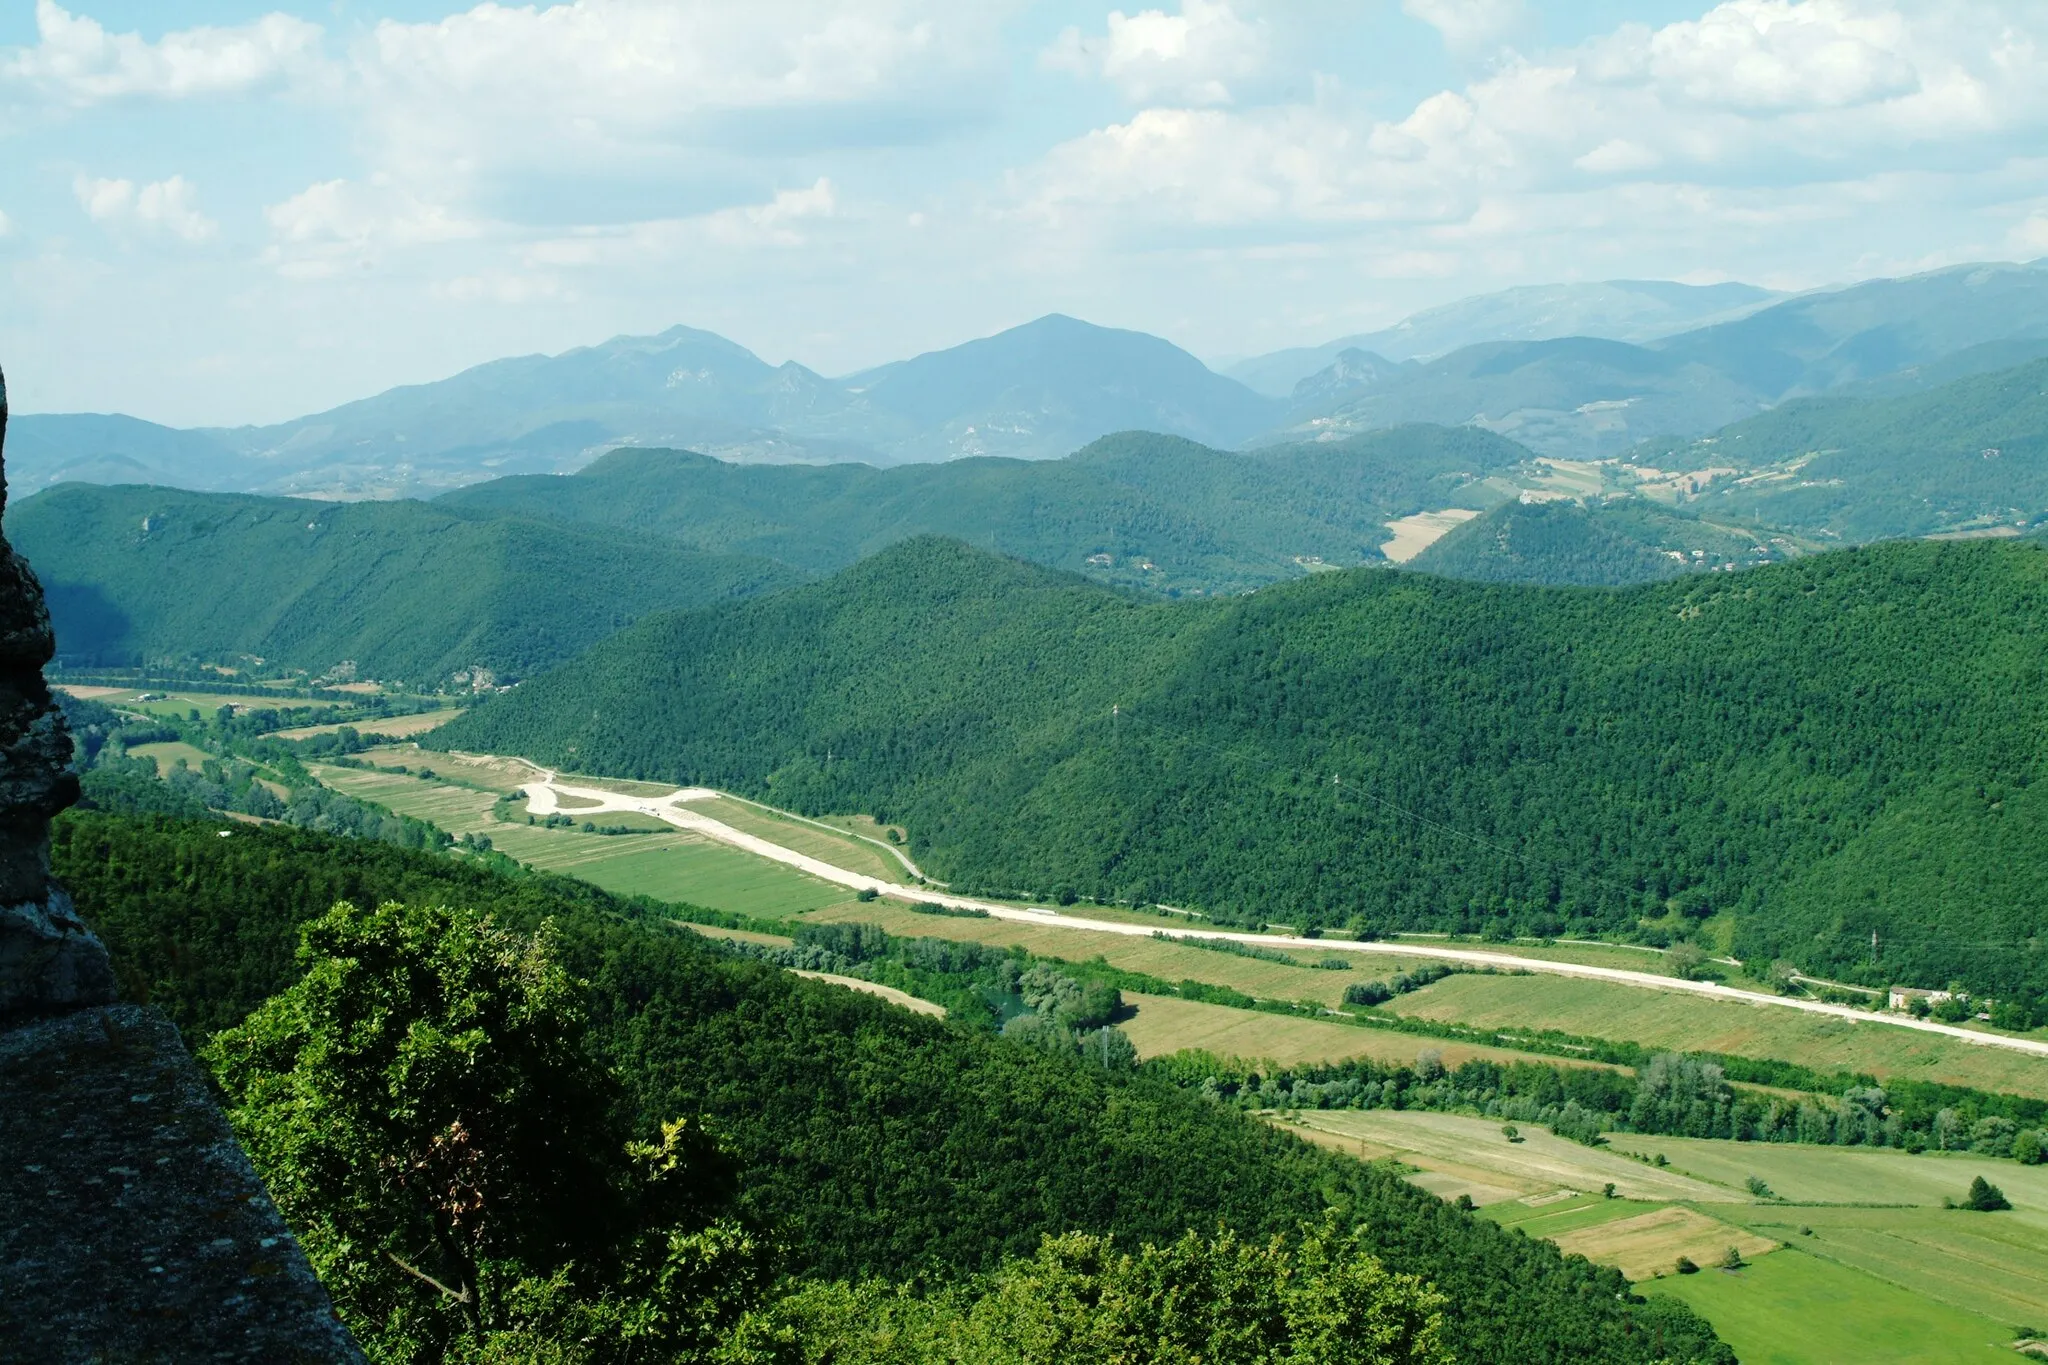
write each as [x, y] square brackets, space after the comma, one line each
[404, 590]
[1825, 750]
[868, 1140]
[1200, 518]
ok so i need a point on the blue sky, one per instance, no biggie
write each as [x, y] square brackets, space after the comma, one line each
[228, 212]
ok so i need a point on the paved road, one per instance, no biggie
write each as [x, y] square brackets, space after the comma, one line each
[542, 795]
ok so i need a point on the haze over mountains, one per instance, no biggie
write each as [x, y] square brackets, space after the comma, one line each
[1572, 371]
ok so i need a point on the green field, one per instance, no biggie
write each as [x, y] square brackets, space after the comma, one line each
[1602, 1009]
[840, 850]
[674, 866]
[167, 754]
[1790, 1308]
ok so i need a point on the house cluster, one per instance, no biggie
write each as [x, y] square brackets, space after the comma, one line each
[1902, 997]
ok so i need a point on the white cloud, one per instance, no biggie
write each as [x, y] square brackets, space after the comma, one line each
[599, 85]
[777, 222]
[337, 225]
[1772, 55]
[76, 61]
[1755, 92]
[1471, 27]
[1192, 57]
[6, 226]
[166, 207]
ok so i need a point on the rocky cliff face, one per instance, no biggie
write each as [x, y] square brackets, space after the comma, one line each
[132, 1227]
[49, 960]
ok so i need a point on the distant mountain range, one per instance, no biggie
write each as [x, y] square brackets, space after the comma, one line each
[1586, 398]
[1036, 392]
[1615, 310]
[1571, 371]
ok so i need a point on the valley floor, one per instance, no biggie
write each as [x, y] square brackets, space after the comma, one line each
[1851, 1257]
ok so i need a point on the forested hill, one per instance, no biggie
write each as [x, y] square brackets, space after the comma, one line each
[406, 591]
[1567, 544]
[1971, 453]
[1823, 749]
[866, 1140]
[1137, 509]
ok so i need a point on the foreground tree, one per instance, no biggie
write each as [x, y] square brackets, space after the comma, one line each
[1321, 1299]
[425, 1111]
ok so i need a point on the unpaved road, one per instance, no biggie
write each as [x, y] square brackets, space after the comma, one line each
[541, 797]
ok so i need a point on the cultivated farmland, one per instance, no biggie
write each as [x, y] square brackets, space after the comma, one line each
[1603, 1009]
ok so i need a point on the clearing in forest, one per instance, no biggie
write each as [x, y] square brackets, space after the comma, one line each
[1414, 534]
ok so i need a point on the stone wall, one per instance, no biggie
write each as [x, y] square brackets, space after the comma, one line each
[132, 1227]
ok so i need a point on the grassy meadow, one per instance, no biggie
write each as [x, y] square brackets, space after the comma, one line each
[166, 754]
[1790, 1308]
[1602, 1009]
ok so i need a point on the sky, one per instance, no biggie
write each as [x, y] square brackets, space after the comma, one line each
[215, 212]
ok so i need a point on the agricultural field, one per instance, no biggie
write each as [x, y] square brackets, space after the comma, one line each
[1456, 1154]
[1168, 961]
[1853, 1238]
[674, 865]
[1164, 1024]
[1790, 1308]
[167, 754]
[838, 849]
[1624, 956]
[1602, 1009]
[398, 727]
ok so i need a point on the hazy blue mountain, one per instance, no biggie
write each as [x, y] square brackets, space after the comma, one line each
[1578, 397]
[1615, 310]
[533, 414]
[48, 448]
[1038, 391]
[1823, 340]
[1049, 387]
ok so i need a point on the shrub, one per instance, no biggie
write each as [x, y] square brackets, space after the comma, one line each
[1759, 1189]
[1686, 1267]
[1985, 1197]
[1733, 1260]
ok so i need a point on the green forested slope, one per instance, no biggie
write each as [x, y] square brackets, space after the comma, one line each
[1565, 544]
[405, 590]
[1972, 451]
[1204, 519]
[1393, 749]
[868, 1140]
